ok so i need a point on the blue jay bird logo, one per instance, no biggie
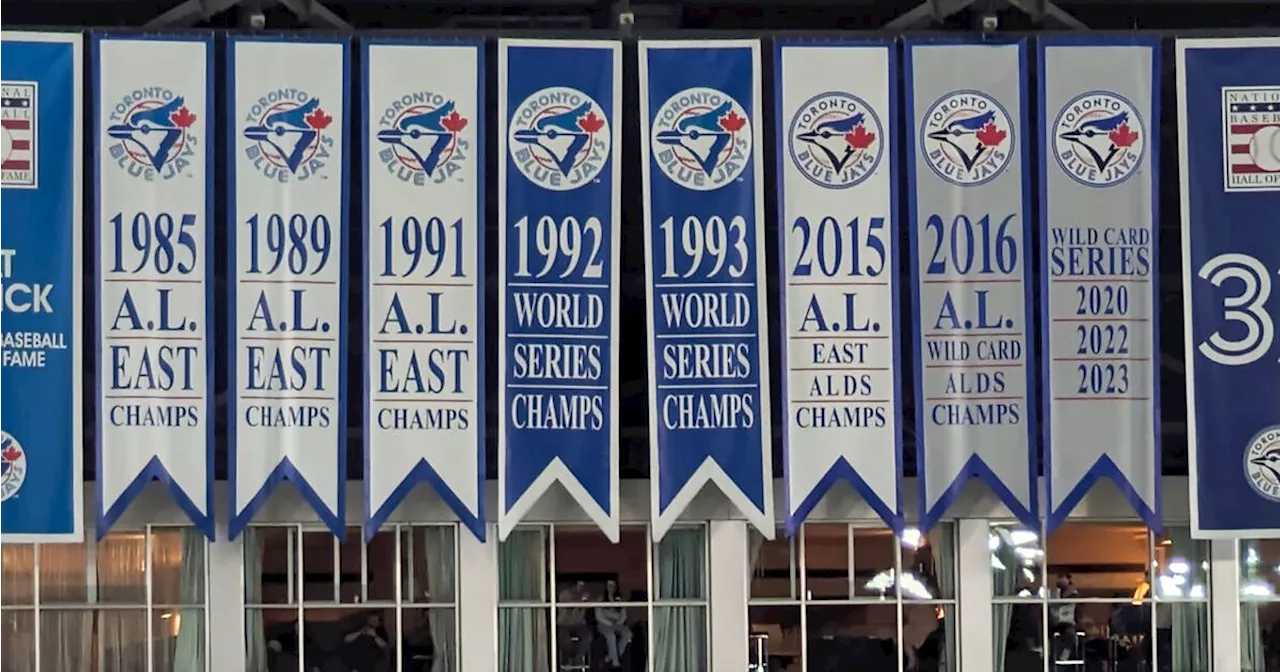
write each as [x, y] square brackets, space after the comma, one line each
[152, 133]
[423, 139]
[835, 140]
[289, 134]
[1098, 139]
[1262, 463]
[967, 138]
[559, 138]
[701, 138]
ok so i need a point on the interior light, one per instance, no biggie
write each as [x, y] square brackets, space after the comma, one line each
[1179, 566]
[1023, 537]
[911, 537]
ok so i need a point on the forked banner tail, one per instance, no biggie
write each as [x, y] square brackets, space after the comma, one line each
[153, 176]
[1099, 133]
[838, 253]
[288, 106]
[972, 304]
[424, 271]
[704, 261]
[559, 239]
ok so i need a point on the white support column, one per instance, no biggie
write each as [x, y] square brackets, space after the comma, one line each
[478, 601]
[973, 595]
[226, 602]
[730, 581]
[1224, 606]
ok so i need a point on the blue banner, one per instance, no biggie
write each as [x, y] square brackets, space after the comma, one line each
[41, 426]
[1229, 155]
[704, 259]
[559, 206]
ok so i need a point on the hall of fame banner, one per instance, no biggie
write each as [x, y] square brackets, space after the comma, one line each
[424, 271]
[288, 104]
[559, 244]
[1099, 133]
[704, 261]
[153, 178]
[838, 253]
[1229, 160]
[970, 237]
[41, 375]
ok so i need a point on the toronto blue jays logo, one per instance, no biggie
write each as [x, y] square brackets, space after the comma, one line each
[559, 138]
[151, 134]
[1262, 463]
[421, 136]
[836, 140]
[13, 466]
[701, 139]
[286, 128]
[1098, 139]
[967, 138]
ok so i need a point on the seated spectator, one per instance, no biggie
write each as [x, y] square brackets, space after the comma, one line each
[366, 649]
[612, 623]
[571, 623]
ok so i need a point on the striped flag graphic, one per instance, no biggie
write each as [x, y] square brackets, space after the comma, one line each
[1253, 127]
[17, 132]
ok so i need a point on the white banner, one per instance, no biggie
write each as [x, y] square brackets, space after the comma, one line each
[154, 104]
[288, 231]
[424, 277]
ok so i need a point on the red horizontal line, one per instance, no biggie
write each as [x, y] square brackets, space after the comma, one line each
[286, 281]
[419, 341]
[265, 397]
[839, 369]
[150, 397]
[954, 365]
[983, 335]
[1140, 360]
[312, 339]
[384, 400]
[155, 338]
[1095, 279]
[1249, 169]
[159, 281]
[12, 164]
[840, 401]
[16, 124]
[1241, 129]
[425, 284]
[1101, 319]
[21, 144]
[838, 283]
[965, 281]
[1101, 398]
[807, 337]
[973, 398]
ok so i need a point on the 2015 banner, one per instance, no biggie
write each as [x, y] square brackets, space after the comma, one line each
[838, 224]
[1099, 120]
[559, 243]
[424, 276]
[1229, 155]
[41, 425]
[288, 102]
[153, 177]
[970, 237]
[704, 258]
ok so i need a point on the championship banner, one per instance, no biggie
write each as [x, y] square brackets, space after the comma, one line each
[289, 100]
[704, 258]
[1100, 335]
[970, 237]
[153, 176]
[559, 245]
[837, 199]
[41, 430]
[424, 276]
[1229, 159]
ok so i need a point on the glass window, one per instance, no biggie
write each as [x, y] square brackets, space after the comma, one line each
[1259, 604]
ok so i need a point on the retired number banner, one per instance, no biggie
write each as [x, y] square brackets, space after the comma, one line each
[704, 260]
[154, 182]
[287, 241]
[559, 240]
[838, 254]
[970, 236]
[1229, 159]
[41, 425]
[424, 276]
[1099, 298]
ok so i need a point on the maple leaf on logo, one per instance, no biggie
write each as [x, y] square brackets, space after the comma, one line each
[732, 122]
[11, 454]
[454, 122]
[318, 119]
[1122, 136]
[183, 118]
[859, 138]
[990, 135]
[590, 123]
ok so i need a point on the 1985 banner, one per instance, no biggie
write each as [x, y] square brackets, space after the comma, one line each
[41, 428]
[154, 182]
[704, 258]
[424, 276]
[287, 237]
[838, 254]
[970, 237]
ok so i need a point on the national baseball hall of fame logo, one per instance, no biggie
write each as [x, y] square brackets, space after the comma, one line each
[701, 139]
[967, 138]
[150, 134]
[1251, 138]
[559, 138]
[13, 466]
[835, 140]
[18, 107]
[1262, 463]
[421, 138]
[1099, 139]
[289, 140]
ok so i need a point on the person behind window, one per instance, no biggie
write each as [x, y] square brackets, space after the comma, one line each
[366, 649]
[575, 633]
[1064, 619]
[611, 621]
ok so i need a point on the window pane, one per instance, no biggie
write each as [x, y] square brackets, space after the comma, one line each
[867, 633]
[350, 574]
[929, 636]
[1256, 648]
[178, 640]
[270, 561]
[522, 572]
[177, 566]
[1018, 637]
[349, 638]
[1102, 560]
[773, 566]
[1182, 636]
[1098, 635]
[18, 631]
[1259, 561]
[774, 638]
[680, 565]
[66, 639]
[873, 561]
[122, 640]
[1182, 566]
[929, 563]
[122, 566]
[381, 553]
[430, 639]
[319, 575]
[826, 561]
[679, 638]
[523, 642]
[584, 554]
[17, 574]
[1016, 558]
[64, 574]
[428, 561]
[271, 639]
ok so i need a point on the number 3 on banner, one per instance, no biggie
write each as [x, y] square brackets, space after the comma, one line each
[1246, 308]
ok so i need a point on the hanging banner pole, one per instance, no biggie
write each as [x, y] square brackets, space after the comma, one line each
[838, 257]
[1100, 335]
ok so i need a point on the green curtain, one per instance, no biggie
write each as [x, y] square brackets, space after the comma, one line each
[188, 654]
[522, 631]
[1253, 656]
[438, 549]
[679, 632]
[1189, 620]
[255, 640]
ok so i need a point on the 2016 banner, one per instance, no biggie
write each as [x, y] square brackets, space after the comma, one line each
[424, 276]
[153, 177]
[838, 254]
[287, 240]
[1099, 121]
[970, 237]
[41, 425]
[704, 258]
[1229, 155]
[559, 243]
